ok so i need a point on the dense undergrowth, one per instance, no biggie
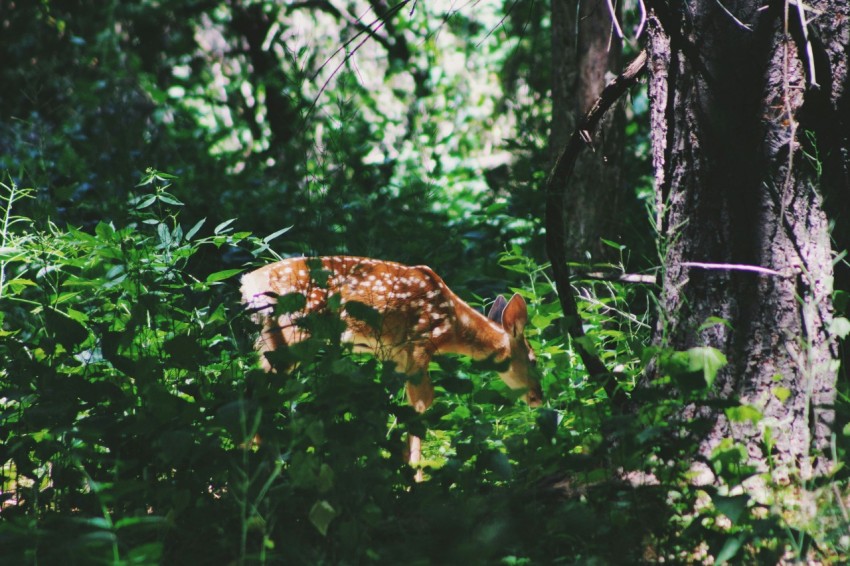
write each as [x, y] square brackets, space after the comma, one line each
[130, 401]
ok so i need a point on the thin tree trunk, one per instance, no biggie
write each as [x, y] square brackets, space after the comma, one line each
[736, 185]
[580, 65]
[595, 207]
[563, 74]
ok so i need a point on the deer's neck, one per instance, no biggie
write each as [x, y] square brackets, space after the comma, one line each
[477, 336]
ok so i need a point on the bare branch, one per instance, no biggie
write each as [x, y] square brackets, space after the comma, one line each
[614, 21]
[735, 267]
[734, 19]
[619, 277]
[556, 226]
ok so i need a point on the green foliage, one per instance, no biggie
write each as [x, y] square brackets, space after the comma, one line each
[135, 424]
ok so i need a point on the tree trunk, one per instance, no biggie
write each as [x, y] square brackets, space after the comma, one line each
[563, 75]
[594, 196]
[731, 114]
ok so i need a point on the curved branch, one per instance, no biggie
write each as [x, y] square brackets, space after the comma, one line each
[556, 227]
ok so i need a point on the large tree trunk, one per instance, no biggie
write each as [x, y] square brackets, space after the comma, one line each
[595, 195]
[731, 109]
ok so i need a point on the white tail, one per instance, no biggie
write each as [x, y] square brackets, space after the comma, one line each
[419, 317]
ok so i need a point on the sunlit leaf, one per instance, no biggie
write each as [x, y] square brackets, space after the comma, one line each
[222, 275]
[781, 393]
[708, 360]
[744, 413]
[223, 226]
[714, 321]
[169, 199]
[274, 235]
[194, 229]
[840, 327]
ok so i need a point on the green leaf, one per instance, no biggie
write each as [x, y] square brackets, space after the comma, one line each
[222, 275]
[781, 393]
[194, 230]
[68, 331]
[497, 207]
[730, 549]
[321, 515]
[274, 235]
[714, 321]
[163, 176]
[164, 234]
[586, 343]
[223, 226]
[290, 303]
[731, 506]
[708, 360]
[616, 245]
[20, 282]
[840, 327]
[104, 230]
[744, 413]
[169, 199]
[146, 202]
[325, 481]
[365, 313]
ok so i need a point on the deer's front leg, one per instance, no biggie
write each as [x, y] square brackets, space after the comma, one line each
[420, 392]
[420, 395]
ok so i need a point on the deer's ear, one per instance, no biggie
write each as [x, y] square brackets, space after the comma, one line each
[515, 316]
[496, 309]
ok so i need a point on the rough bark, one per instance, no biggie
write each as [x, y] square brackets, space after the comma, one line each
[731, 109]
[563, 74]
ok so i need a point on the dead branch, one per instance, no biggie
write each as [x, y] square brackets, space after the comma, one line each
[556, 225]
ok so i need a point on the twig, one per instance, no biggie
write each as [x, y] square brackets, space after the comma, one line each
[735, 267]
[731, 15]
[618, 276]
[609, 309]
[614, 21]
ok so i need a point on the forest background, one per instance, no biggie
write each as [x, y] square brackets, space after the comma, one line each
[153, 151]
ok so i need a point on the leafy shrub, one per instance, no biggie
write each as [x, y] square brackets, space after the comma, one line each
[137, 427]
